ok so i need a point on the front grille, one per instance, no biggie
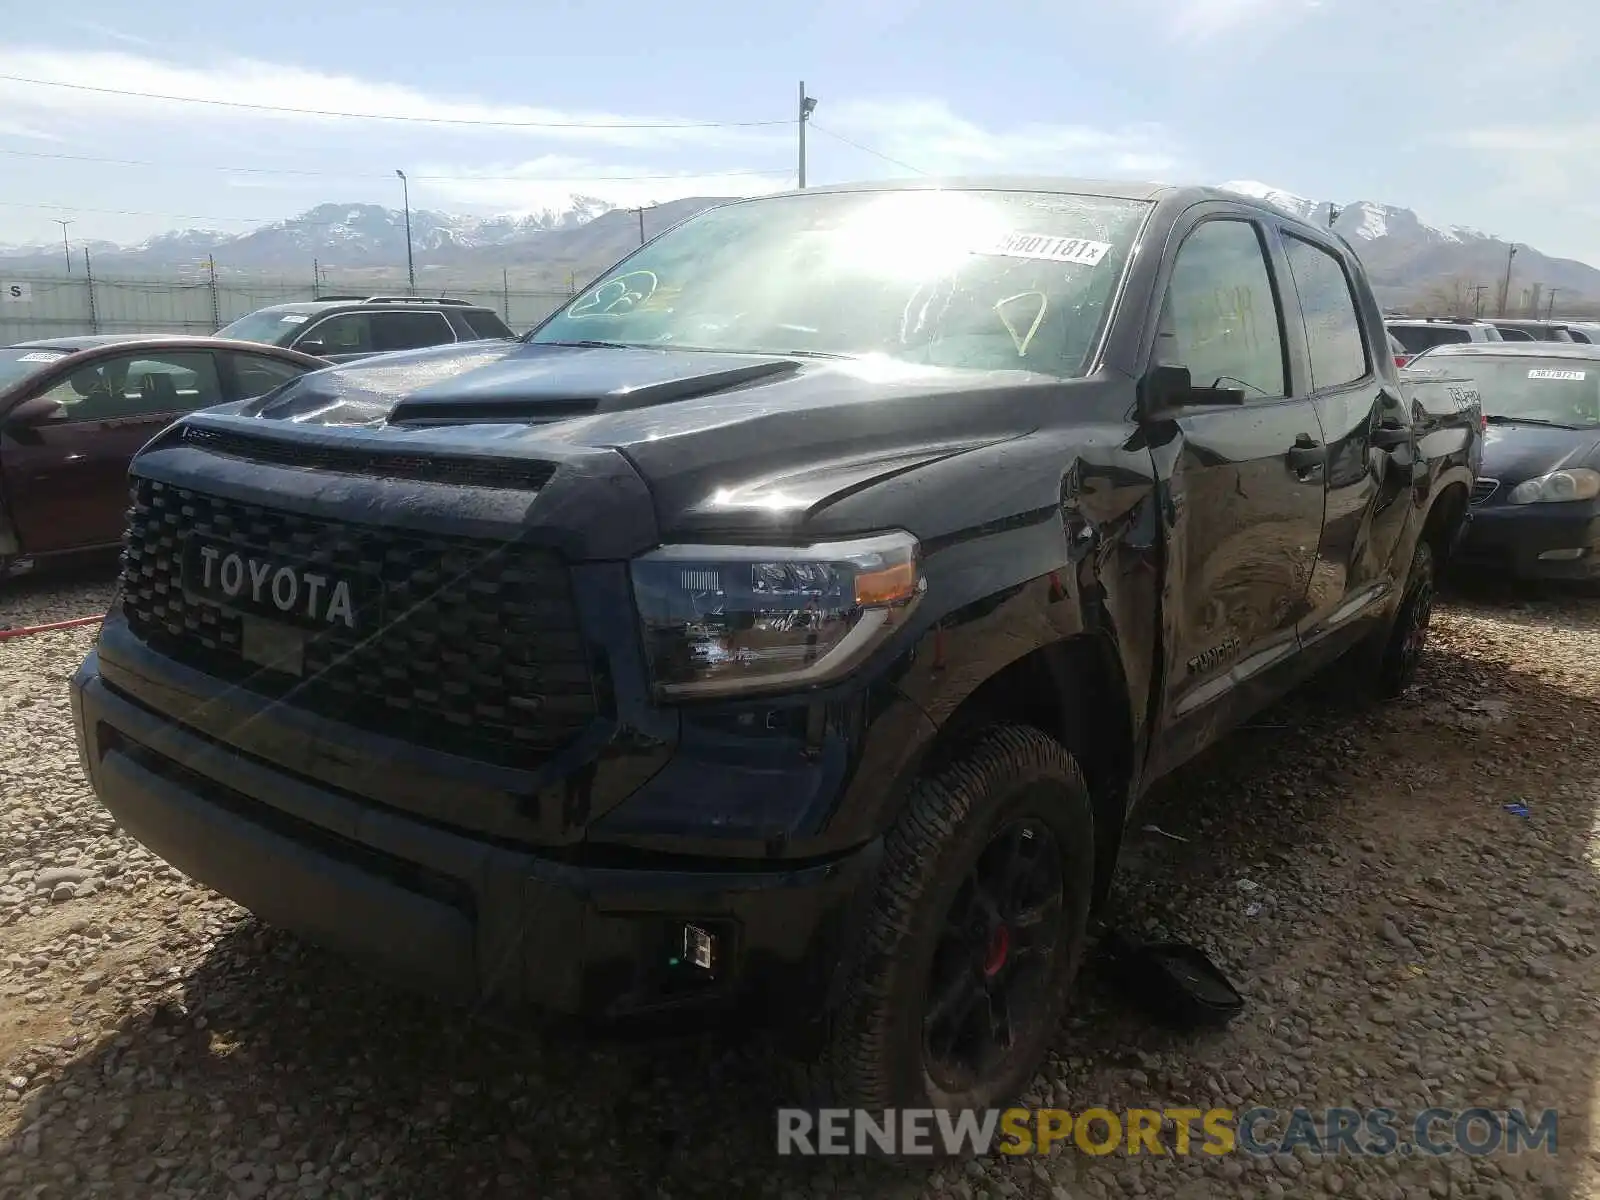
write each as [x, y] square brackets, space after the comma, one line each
[478, 652]
[1483, 489]
[427, 468]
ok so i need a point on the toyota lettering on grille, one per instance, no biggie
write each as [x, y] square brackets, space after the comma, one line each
[252, 582]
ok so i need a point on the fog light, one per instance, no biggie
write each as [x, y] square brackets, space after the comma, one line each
[699, 947]
[1563, 555]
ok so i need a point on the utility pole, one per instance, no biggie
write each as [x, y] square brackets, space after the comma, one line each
[807, 106]
[66, 246]
[88, 275]
[316, 278]
[1505, 288]
[1550, 304]
[405, 195]
[640, 212]
[1478, 289]
[216, 308]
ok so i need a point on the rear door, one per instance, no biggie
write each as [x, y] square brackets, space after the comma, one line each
[1366, 425]
[68, 477]
[1247, 482]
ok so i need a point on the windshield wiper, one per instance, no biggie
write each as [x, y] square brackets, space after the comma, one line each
[590, 344]
[1507, 419]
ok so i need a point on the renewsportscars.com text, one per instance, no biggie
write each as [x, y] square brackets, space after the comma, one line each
[1096, 1131]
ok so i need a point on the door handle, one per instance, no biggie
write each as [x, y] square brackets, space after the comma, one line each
[1306, 454]
[1391, 437]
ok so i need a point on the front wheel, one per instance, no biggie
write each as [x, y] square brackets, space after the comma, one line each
[974, 933]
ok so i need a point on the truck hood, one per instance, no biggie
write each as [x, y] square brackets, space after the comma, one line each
[1514, 453]
[737, 443]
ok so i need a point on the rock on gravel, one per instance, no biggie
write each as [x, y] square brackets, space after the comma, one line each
[1409, 943]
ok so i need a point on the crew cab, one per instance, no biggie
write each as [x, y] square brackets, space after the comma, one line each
[788, 624]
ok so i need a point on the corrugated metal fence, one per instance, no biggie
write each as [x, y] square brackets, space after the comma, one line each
[42, 305]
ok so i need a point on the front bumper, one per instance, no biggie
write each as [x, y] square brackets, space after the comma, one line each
[1514, 539]
[471, 920]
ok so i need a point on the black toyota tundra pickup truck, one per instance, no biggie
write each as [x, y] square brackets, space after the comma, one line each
[787, 624]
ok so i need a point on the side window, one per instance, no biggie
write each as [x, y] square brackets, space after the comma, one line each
[1515, 335]
[347, 333]
[409, 330]
[1219, 318]
[1333, 328]
[486, 324]
[258, 375]
[143, 385]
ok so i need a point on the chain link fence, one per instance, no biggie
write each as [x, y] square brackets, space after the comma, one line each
[35, 305]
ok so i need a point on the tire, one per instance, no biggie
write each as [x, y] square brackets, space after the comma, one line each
[1015, 792]
[1401, 651]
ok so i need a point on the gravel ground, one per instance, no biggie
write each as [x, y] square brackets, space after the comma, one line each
[1401, 937]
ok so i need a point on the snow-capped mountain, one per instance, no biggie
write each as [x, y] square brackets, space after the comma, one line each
[1409, 260]
[354, 236]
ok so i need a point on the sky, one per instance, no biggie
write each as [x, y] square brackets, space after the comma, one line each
[1460, 109]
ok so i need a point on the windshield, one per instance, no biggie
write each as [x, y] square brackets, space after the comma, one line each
[1557, 391]
[19, 362]
[978, 279]
[273, 328]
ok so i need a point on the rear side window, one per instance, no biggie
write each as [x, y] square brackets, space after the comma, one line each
[485, 324]
[1333, 328]
[1220, 319]
[409, 330]
[1417, 338]
[1508, 334]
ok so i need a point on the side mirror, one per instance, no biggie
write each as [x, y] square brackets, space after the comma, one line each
[34, 411]
[1166, 388]
[314, 346]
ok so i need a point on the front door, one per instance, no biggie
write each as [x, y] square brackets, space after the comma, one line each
[68, 477]
[1246, 484]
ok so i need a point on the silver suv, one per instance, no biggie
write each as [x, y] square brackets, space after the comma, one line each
[1417, 334]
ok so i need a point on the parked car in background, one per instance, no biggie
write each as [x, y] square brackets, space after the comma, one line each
[1519, 330]
[1417, 334]
[862, 556]
[1536, 504]
[1587, 332]
[342, 328]
[74, 410]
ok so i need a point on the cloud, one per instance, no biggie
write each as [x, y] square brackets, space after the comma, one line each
[1548, 163]
[115, 35]
[925, 134]
[551, 182]
[1206, 19]
[312, 94]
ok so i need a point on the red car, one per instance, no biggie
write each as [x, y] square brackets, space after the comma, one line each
[74, 410]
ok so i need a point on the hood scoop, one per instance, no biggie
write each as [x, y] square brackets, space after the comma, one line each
[606, 381]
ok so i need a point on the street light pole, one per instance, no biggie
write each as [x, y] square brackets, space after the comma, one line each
[405, 194]
[807, 105]
[66, 246]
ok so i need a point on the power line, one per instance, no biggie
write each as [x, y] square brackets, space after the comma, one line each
[140, 162]
[839, 137]
[322, 112]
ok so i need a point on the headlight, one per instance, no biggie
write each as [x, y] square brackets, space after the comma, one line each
[1580, 483]
[724, 620]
